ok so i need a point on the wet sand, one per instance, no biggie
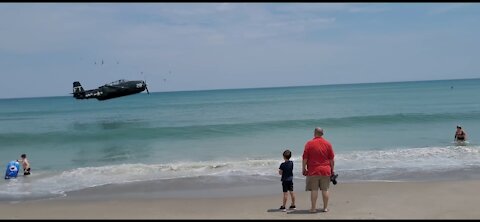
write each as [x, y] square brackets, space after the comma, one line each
[362, 200]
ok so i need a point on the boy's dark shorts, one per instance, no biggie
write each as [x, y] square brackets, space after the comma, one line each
[287, 186]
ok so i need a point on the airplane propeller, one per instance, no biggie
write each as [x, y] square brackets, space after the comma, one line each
[145, 82]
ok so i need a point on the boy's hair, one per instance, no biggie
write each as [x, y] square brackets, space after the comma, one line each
[287, 154]
[24, 155]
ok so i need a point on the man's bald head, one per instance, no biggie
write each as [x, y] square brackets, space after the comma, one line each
[318, 131]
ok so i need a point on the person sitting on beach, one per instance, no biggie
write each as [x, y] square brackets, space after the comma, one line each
[25, 164]
[460, 135]
[286, 170]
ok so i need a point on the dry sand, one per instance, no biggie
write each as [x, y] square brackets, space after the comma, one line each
[367, 200]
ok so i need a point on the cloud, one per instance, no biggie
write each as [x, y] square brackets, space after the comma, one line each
[327, 8]
[445, 8]
[369, 9]
[225, 7]
[223, 45]
[40, 28]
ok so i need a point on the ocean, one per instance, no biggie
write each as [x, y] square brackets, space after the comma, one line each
[396, 131]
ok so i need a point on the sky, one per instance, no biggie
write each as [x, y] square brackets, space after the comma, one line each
[45, 47]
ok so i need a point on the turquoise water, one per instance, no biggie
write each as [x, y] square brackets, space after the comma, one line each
[379, 131]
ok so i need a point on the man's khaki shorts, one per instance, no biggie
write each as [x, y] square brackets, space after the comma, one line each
[315, 182]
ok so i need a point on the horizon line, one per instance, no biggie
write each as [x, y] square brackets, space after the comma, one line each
[266, 87]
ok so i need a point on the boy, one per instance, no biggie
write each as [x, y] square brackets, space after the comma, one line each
[25, 164]
[286, 170]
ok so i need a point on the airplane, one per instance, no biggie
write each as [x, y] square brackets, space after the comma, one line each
[111, 90]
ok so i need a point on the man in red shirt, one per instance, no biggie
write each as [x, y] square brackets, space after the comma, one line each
[317, 166]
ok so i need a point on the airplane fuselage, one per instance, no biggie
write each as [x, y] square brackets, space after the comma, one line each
[108, 91]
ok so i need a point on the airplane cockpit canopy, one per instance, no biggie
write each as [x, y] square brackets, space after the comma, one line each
[118, 82]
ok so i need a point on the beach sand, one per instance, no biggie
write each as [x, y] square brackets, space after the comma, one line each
[362, 200]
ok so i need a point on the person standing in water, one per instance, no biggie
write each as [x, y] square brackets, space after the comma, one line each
[460, 135]
[25, 164]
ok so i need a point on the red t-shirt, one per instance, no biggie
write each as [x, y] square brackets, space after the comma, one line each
[318, 152]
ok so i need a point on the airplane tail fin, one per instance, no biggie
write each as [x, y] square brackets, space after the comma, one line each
[78, 91]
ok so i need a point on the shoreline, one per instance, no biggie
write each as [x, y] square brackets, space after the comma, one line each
[359, 200]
